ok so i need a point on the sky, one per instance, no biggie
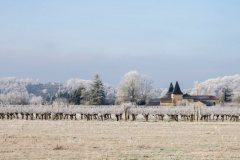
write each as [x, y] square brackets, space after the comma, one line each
[167, 40]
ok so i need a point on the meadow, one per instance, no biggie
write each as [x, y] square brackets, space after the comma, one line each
[82, 139]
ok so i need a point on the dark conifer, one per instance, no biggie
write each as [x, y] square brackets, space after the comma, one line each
[97, 92]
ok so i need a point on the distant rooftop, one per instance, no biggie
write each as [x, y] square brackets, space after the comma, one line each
[177, 89]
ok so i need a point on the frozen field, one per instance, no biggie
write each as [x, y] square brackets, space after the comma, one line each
[21, 139]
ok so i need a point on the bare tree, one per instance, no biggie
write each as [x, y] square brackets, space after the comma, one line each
[134, 88]
[145, 88]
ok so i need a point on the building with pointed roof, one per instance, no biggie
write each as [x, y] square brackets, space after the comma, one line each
[175, 95]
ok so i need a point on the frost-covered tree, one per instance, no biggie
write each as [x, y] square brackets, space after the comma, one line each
[75, 91]
[78, 96]
[74, 84]
[15, 98]
[59, 101]
[214, 86]
[134, 88]
[13, 90]
[97, 92]
[110, 93]
[128, 90]
[36, 100]
[63, 95]
[145, 89]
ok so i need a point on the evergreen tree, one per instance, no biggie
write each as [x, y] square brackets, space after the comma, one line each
[97, 92]
[227, 95]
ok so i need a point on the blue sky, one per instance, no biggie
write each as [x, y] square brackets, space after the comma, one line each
[55, 40]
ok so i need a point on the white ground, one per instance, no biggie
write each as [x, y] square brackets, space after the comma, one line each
[20, 139]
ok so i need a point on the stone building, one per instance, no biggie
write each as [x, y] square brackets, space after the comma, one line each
[175, 95]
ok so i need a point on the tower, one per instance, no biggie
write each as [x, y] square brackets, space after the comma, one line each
[177, 94]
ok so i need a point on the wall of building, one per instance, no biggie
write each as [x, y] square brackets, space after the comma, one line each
[177, 98]
[166, 104]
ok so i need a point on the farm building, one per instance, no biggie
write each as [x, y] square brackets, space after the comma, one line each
[175, 95]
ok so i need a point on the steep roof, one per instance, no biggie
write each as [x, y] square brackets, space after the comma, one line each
[170, 90]
[177, 89]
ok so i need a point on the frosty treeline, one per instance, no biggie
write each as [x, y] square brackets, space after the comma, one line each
[227, 88]
[14, 91]
[133, 87]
